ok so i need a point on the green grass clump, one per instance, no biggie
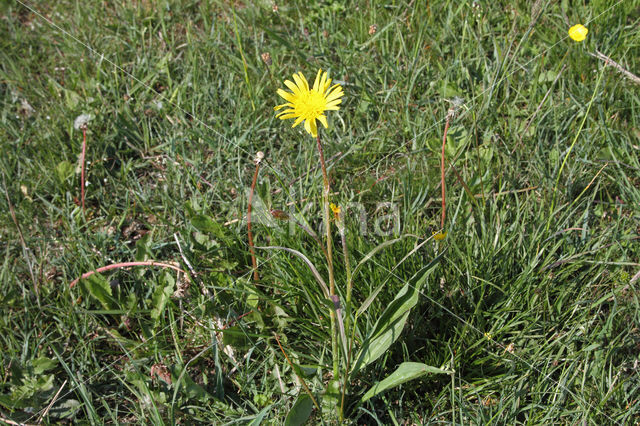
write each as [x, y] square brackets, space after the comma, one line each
[532, 307]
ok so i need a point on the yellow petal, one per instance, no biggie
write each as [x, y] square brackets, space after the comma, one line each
[323, 82]
[327, 83]
[292, 87]
[284, 115]
[316, 83]
[307, 126]
[289, 97]
[304, 79]
[298, 121]
[313, 127]
[287, 105]
[334, 95]
[301, 81]
[287, 111]
[323, 120]
[277, 107]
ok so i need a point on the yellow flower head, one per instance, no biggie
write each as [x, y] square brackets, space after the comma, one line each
[578, 32]
[335, 209]
[308, 104]
[439, 236]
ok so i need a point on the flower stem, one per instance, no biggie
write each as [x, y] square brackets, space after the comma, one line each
[442, 184]
[345, 252]
[254, 262]
[125, 265]
[332, 284]
[575, 139]
[347, 265]
[84, 150]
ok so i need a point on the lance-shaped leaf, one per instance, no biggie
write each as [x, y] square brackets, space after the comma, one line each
[389, 326]
[405, 372]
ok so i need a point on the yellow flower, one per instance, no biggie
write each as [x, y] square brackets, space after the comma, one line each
[335, 209]
[309, 104]
[439, 236]
[578, 32]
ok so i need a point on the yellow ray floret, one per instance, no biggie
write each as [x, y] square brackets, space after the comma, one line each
[308, 104]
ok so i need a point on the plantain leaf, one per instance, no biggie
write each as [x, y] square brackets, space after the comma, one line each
[405, 372]
[207, 225]
[374, 347]
[300, 411]
[365, 305]
[98, 287]
[389, 326]
[161, 296]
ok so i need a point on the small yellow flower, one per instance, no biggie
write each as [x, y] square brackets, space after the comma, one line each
[308, 104]
[336, 215]
[439, 236]
[578, 32]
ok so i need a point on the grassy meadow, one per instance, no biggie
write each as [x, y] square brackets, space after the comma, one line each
[526, 312]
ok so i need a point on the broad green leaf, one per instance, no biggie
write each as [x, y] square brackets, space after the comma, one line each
[143, 248]
[375, 347]
[65, 409]
[389, 326]
[300, 411]
[161, 296]
[365, 305]
[207, 225]
[405, 372]
[98, 288]
[41, 365]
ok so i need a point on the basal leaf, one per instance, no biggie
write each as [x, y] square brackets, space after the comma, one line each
[390, 324]
[405, 372]
[207, 225]
[98, 288]
[300, 411]
[161, 296]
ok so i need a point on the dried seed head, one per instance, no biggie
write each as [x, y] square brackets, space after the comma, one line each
[259, 157]
[266, 58]
[81, 121]
[372, 29]
[456, 103]
[279, 214]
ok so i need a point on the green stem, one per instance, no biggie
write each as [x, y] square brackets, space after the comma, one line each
[345, 252]
[347, 265]
[332, 284]
[575, 139]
